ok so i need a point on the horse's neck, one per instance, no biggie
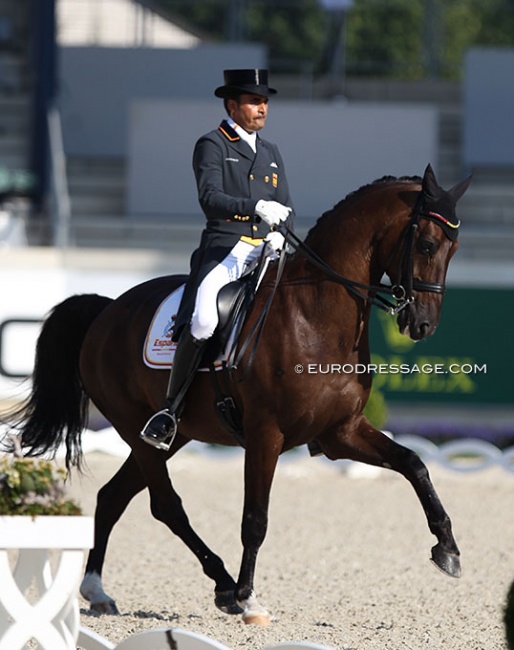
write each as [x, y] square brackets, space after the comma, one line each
[345, 247]
[354, 238]
[348, 243]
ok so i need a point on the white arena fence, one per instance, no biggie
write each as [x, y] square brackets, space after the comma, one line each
[175, 639]
[463, 455]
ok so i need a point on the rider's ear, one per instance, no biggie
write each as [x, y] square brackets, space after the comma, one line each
[230, 103]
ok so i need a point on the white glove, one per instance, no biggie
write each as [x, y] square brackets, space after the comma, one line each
[275, 241]
[272, 212]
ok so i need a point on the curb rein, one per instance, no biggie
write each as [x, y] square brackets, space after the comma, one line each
[401, 291]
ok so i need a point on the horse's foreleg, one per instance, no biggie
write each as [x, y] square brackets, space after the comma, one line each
[260, 463]
[112, 500]
[166, 506]
[366, 444]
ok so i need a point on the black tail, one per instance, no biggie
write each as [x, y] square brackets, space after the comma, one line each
[56, 410]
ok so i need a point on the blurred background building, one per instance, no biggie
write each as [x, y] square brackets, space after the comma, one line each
[101, 102]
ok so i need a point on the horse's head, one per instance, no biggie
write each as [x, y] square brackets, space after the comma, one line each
[427, 245]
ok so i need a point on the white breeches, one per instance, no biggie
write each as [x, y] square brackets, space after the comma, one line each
[205, 314]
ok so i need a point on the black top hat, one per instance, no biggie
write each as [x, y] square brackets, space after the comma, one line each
[238, 82]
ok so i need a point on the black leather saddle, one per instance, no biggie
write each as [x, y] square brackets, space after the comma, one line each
[233, 302]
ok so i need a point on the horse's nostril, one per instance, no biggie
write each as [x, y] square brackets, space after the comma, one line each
[424, 329]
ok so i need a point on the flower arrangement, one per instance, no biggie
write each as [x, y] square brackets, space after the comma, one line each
[33, 487]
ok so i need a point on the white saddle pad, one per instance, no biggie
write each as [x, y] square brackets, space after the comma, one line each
[159, 349]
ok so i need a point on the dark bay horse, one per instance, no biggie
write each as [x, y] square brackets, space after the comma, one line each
[90, 348]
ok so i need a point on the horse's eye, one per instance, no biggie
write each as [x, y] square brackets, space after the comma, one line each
[427, 247]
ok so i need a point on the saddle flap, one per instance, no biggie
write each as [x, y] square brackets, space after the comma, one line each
[232, 301]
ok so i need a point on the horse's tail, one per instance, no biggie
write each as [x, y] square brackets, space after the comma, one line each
[56, 409]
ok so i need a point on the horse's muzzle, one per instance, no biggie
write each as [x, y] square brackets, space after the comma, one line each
[415, 326]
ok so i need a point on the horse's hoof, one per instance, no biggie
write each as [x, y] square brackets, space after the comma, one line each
[105, 607]
[91, 590]
[226, 602]
[447, 562]
[253, 613]
[256, 618]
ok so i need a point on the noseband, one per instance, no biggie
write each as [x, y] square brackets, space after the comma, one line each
[406, 283]
[402, 290]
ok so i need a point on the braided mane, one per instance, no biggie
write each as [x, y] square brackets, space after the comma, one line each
[385, 180]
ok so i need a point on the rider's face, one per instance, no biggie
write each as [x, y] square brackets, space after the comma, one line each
[249, 111]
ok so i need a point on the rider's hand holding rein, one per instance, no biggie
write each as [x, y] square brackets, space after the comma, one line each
[275, 240]
[272, 212]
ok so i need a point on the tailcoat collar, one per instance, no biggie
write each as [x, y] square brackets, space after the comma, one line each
[229, 133]
[237, 142]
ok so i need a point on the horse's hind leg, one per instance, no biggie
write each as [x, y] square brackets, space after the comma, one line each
[166, 507]
[368, 445]
[112, 500]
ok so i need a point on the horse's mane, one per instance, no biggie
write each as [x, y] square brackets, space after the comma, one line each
[385, 180]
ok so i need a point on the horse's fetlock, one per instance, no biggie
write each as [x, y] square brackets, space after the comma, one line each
[243, 594]
[445, 525]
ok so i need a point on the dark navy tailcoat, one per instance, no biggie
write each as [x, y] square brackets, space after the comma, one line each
[231, 179]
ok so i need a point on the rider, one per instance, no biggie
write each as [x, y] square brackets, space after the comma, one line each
[243, 192]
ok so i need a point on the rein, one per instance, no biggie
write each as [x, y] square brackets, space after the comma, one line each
[256, 331]
[401, 291]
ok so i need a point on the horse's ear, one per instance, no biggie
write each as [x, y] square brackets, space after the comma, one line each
[430, 185]
[459, 189]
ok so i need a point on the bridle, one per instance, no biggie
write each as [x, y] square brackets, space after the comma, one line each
[402, 290]
[406, 283]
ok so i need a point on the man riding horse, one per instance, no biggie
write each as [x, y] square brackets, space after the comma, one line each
[243, 192]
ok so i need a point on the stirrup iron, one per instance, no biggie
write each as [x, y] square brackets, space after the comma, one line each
[160, 430]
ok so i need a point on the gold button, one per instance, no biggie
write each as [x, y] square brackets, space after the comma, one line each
[252, 177]
[266, 179]
[255, 228]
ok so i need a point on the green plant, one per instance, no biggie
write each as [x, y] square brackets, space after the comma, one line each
[33, 487]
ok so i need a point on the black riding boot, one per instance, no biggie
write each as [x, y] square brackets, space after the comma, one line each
[161, 428]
